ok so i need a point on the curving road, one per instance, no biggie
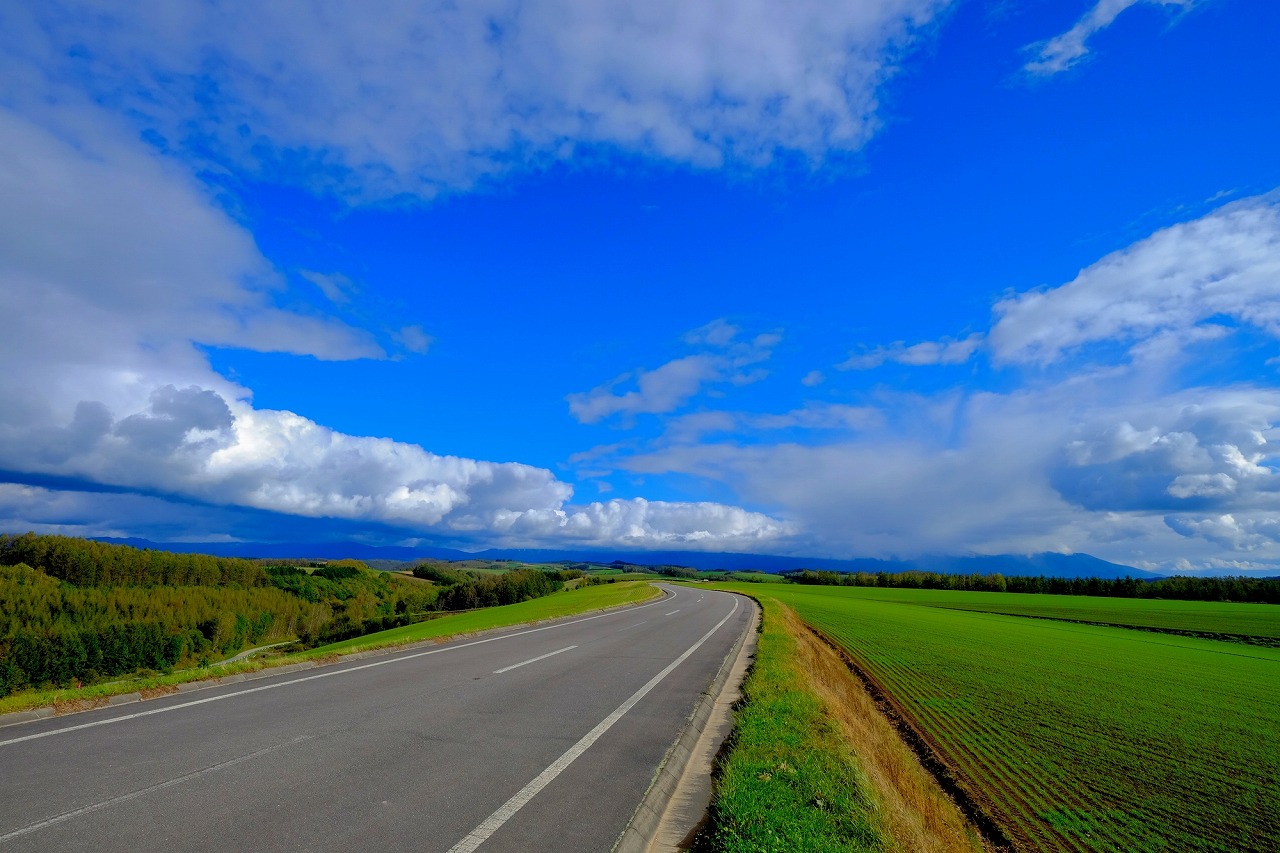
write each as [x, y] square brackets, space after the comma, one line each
[530, 739]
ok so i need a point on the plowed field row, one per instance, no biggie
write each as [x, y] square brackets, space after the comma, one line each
[1081, 738]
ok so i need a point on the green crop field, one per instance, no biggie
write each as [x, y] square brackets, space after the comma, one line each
[567, 603]
[1256, 622]
[1077, 737]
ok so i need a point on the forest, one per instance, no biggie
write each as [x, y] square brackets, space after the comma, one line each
[74, 611]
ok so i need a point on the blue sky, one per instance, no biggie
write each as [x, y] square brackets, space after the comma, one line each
[871, 279]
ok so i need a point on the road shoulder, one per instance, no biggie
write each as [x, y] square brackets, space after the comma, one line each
[676, 803]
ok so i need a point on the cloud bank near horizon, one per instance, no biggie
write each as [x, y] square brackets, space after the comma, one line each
[1137, 422]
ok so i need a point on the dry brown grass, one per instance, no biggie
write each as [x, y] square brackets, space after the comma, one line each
[74, 706]
[156, 692]
[914, 811]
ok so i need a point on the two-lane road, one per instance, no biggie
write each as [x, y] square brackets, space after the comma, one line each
[531, 739]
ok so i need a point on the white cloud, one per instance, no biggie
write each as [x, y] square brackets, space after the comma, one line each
[1008, 473]
[1179, 285]
[660, 390]
[1062, 52]
[335, 286]
[717, 333]
[811, 416]
[414, 339]
[1247, 533]
[117, 263]
[668, 387]
[945, 352]
[647, 524]
[413, 99]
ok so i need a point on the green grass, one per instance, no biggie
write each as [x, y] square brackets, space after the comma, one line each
[755, 577]
[1077, 737]
[554, 606]
[790, 782]
[1259, 621]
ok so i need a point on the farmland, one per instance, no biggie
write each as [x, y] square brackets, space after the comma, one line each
[1255, 623]
[1075, 737]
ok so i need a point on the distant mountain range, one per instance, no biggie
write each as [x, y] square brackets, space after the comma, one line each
[1047, 564]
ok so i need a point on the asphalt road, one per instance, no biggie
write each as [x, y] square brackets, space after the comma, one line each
[529, 740]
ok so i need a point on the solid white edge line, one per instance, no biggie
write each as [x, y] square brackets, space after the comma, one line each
[74, 813]
[330, 674]
[533, 660]
[508, 809]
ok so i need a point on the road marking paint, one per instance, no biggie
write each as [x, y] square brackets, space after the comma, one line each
[532, 660]
[66, 816]
[672, 613]
[246, 692]
[629, 627]
[508, 809]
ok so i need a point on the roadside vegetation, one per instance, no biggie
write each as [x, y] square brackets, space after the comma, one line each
[572, 603]
[1068, 736]
[812, 766]
[150, 682]
[75, 613]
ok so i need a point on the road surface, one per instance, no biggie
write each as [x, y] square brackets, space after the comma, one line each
[527, 740]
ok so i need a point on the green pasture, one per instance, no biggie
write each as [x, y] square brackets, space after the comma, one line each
[554, 606]
[1077, 737]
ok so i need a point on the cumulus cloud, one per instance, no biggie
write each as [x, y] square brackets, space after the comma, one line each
[669, 386]
[1197, 449]
[927, 353]
[1188, 282]
[120, 268]
[1244, 533]
[648, 524]
[1062, 52]
[415, 99]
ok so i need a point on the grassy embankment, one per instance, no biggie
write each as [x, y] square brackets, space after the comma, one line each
[554, 606]
[1075, 737]
[791, 780]
[557, 605]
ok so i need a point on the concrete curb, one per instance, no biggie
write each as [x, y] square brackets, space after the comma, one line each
[14, 718]
[655, 819]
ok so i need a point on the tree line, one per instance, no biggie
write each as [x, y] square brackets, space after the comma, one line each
[1184, 588]
[84, 562]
